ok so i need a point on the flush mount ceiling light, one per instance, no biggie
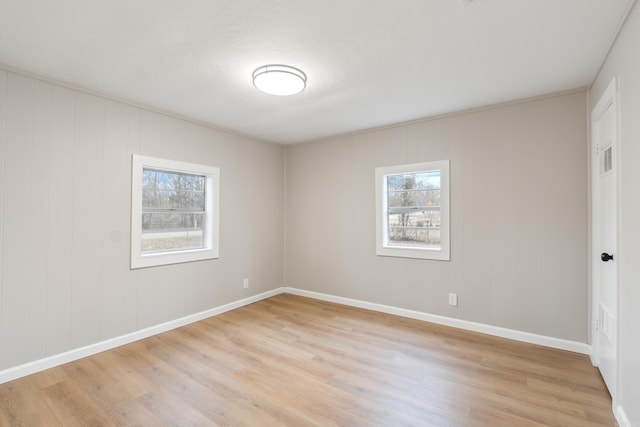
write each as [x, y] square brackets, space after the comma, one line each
[276, 79]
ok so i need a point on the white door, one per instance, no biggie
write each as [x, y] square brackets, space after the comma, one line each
[604, 232]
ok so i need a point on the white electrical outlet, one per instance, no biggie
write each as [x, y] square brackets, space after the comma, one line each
[245, 283]
[453, 300]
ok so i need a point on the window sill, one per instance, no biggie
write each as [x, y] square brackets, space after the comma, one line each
[416, 253]
[173, 257]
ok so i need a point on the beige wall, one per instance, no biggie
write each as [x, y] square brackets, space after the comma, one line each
[65, 184]
[624, 62]
[518, 223]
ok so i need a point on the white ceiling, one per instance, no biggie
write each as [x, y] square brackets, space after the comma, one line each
[369, 63]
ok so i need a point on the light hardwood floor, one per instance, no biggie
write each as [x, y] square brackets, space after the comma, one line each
[293, 361]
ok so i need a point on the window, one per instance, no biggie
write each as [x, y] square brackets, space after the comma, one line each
[174, 212]
[412, 210]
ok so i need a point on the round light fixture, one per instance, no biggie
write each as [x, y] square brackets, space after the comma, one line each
[282, 80]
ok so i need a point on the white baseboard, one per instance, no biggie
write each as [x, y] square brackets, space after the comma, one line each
[527, 337]
[75, 354]
[621, 417]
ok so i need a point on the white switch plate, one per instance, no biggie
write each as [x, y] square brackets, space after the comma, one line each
[453, 300]
[245, 283]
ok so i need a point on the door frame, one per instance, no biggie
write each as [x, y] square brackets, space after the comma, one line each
[607, 99]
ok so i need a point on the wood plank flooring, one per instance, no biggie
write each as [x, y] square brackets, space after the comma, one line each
[293, 361]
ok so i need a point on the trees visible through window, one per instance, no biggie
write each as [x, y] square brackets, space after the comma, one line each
[413, 210]
[173, 208]
[413, 213]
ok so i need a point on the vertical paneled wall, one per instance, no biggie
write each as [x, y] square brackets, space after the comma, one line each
[65, 185]
[518, 217]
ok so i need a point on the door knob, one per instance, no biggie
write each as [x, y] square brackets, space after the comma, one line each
[606, 257]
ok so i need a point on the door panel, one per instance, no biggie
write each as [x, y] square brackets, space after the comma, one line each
[604, 232]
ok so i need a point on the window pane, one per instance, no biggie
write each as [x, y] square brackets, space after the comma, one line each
[160, 241]
[172, 230]
[172, 190]
[413, 209]
[415, 228]
[414, 189]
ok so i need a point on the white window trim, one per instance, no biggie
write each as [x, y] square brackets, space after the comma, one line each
[212, 213]
[382, 246]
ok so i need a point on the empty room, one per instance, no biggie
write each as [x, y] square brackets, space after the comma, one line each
[303, 213]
